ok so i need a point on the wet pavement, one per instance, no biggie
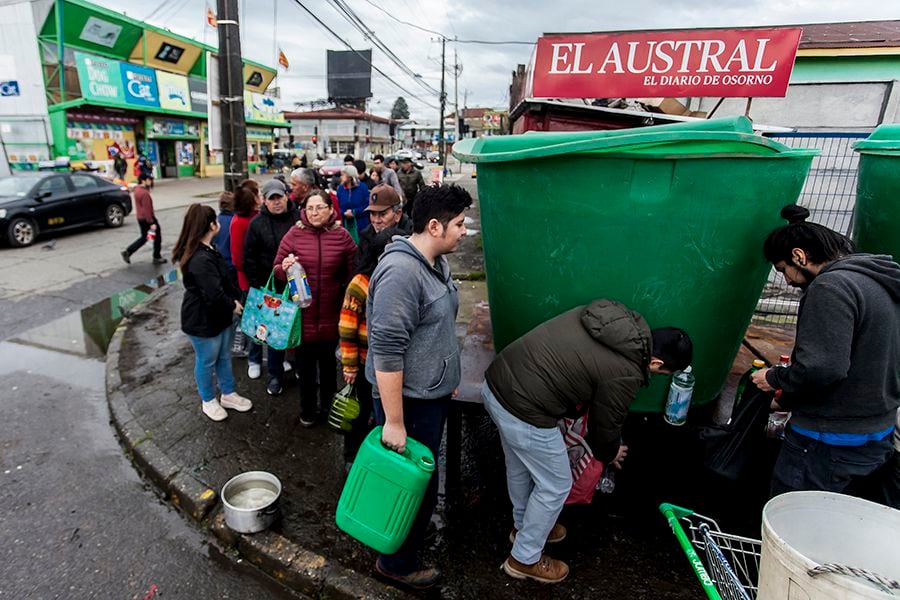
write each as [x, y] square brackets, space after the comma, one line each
[76, 521]
[617, 548]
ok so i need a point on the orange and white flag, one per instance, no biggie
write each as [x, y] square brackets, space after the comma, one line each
[211, 17]
[282, 59]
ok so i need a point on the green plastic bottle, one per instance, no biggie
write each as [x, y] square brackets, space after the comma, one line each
[745, 379]
[383, 492]
[344, 409]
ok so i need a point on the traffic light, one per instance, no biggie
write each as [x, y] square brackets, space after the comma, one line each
[315, 139]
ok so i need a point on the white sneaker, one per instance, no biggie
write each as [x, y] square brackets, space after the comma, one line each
[214, 410]
[236, 402]
[287, 366]
[254, 370]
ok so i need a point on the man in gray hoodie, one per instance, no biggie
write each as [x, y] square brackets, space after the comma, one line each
[413, 358]
[842, 386]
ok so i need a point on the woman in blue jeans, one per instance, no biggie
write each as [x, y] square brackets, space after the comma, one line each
[210, 301]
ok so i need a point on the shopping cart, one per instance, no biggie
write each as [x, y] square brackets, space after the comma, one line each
[730, 566]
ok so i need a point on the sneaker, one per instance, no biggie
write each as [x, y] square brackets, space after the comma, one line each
[273, 386]
[254, 370]
[159, 261]
[126, 257]
[214, 410]
[557, 534]
[546, 570]
[236, 402]
[307, 422]
[417, 580]
[287, 366]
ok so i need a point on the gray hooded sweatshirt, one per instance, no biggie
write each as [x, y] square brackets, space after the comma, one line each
[844, 375]
[411, 319]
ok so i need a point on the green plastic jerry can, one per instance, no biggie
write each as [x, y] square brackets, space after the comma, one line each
[383, 492]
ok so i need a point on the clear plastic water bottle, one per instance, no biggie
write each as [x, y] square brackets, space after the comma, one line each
[301, 295]
[608, 481]
[679, 401]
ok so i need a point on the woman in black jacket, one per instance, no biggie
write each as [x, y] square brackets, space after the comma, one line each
[210, 300]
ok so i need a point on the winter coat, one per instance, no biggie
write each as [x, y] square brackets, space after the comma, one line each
[411, 183]
[238, 233]
[367, 236]
[843, 375]
[209, 294]
[326, 254]
[222, 240]
[261, 244]
[355, 199]
[592, 358]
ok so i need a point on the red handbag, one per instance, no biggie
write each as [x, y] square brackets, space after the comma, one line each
[586, 469]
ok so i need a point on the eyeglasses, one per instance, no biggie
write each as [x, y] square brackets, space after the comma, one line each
[317, 208]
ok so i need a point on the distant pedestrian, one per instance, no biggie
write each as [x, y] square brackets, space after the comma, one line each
[363, 175]
[353, 198]
[304, 162]
[145, 166]
[211, 300]
[146, 218]
[411, 182]
[245, 209]
[120, 165]
[413, 355]
[326, 251]
[388, 175]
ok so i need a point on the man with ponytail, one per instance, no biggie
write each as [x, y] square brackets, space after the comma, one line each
[843, 386]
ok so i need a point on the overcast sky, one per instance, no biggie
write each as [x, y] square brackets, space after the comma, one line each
[486, 69]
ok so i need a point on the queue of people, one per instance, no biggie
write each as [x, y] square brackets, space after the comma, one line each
[389, 304]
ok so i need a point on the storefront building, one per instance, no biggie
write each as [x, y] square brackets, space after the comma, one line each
[114, 85]
[338, 131]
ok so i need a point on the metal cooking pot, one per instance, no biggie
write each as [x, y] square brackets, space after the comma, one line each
[258, 516]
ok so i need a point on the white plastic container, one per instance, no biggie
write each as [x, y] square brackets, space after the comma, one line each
[802, 530]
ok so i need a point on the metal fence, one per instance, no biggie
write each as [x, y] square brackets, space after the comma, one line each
[830, 195]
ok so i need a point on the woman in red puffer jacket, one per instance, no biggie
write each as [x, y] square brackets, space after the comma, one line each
[326, 251]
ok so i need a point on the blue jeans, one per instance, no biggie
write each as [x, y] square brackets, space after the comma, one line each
[424, 421]
[538, 477]
[213, 355]
[808, 464]
[274, 359]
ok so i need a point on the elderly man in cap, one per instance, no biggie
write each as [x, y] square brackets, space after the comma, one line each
[411, 182]
[385, 213]
[276, 216]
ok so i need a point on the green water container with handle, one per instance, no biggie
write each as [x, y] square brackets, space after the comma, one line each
[383, 492]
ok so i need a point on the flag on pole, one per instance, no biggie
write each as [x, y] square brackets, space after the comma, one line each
[211, 17]
[282, 59]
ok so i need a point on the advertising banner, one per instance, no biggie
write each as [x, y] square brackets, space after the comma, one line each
[741, 63]
[199, 95]
[139, 85]
[100, 78]
[174, 93]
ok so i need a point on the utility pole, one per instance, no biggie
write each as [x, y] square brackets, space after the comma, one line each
[443, 147]
[231, 94]
[457, 69]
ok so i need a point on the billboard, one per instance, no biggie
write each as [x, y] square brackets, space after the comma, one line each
[174, 93]
[742, 63]
[349, 74]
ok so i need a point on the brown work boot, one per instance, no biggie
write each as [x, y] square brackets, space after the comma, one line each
[557, 534]
[417, 580]
[546, 570]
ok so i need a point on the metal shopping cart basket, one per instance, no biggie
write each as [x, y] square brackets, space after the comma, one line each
[729, 569]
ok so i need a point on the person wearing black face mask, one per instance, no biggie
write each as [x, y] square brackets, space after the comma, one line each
[842, 386]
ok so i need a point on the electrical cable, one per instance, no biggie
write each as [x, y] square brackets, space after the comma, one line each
[349, 47]
[446, 37]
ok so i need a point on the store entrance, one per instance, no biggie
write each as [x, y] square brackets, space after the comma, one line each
[168, 159]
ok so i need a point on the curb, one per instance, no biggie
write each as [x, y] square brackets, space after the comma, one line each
[277, 556]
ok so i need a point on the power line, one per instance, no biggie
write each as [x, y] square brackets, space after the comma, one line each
[446, 37]
[348, 13]
[347, 44]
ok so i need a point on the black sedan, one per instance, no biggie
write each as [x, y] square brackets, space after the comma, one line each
[41, 202]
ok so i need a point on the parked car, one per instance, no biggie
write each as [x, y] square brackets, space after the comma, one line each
[433, 156]
[36, 203]
[331, 167]
[404, 153]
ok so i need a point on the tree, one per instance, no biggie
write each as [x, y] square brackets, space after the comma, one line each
[400, 110]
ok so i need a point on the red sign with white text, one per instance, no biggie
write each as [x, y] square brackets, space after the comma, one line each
[742, 63]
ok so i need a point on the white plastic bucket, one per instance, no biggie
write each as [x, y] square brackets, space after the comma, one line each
[802, 530]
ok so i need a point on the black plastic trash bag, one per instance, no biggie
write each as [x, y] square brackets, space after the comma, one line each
[727, 449]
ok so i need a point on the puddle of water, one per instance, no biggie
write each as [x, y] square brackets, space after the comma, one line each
[86, 333]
